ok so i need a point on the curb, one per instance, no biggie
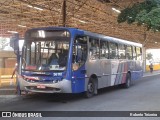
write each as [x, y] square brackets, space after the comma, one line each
[151, 75]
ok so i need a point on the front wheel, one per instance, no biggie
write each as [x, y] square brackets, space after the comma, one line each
[91, 87]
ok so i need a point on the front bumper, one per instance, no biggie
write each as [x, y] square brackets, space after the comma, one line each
[63, 86]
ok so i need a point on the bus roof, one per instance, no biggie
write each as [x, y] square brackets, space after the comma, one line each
[107, 38]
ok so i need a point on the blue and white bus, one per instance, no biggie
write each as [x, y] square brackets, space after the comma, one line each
[70, 60]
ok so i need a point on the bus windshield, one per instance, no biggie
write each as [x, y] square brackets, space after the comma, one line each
[46, 51]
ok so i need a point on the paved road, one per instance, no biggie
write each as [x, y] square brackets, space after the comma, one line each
[143, 95]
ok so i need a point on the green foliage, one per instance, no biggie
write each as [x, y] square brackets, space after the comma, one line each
[149, 56]
[146, 13]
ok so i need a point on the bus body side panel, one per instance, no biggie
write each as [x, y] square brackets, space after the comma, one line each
[140, 68]
[105, 68]
[114, 72]
[137, 73]
[93, 68]
[132, 68]
[120, 68]
[109, 72]
[78, 80]
[121, 72]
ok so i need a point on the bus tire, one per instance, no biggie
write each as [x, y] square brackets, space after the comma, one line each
[91, 88]
[128, 81]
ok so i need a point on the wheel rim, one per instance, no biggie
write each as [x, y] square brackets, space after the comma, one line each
[90, 87]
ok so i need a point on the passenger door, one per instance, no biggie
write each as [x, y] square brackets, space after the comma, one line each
[79, 57]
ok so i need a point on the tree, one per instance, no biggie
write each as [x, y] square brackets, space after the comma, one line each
[146, 13]
[149, 56]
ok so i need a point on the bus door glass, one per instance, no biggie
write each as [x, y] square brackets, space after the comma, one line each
[79, 55]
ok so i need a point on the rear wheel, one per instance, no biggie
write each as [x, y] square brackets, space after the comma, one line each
[91, 88]
[128, 81]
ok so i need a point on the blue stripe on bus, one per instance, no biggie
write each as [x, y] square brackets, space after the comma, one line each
[78, 80]
[135, 75]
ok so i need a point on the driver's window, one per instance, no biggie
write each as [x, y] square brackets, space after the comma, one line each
[79, 51]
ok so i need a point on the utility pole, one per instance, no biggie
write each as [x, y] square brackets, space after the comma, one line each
[144, 51]
[64, 13]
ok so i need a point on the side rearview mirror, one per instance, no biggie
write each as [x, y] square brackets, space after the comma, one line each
[14, 43]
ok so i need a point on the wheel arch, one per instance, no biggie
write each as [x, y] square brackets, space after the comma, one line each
[129, 72]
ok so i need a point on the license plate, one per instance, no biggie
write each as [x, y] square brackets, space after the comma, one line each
[41, 86]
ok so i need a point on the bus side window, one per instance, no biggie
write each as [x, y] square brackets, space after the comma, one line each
[104, 52]
[93, 48]
[113, 50]
[134, 53]
[129, 52]
[139, 53]
[121, 51]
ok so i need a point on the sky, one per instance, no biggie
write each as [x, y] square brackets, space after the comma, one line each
[155, 53]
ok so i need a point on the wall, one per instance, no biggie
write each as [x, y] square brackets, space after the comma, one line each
[155, 67]
[10, 62]
[7, 59]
